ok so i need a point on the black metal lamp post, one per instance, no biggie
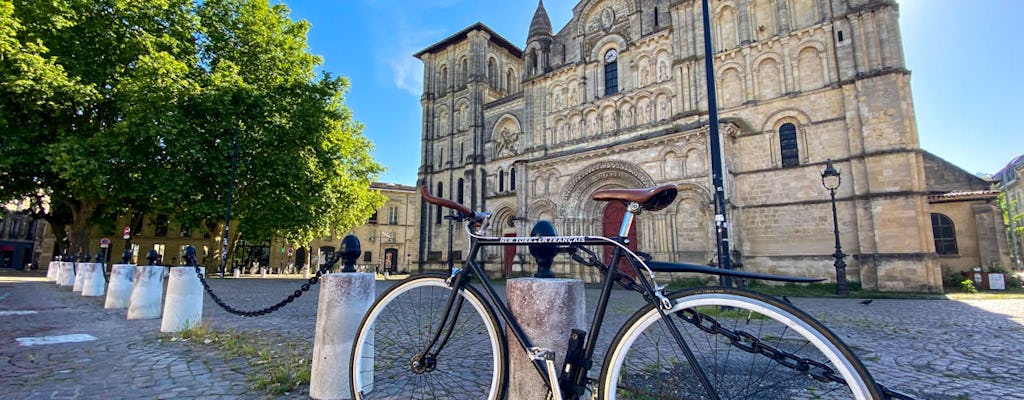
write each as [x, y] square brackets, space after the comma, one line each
[830, 179]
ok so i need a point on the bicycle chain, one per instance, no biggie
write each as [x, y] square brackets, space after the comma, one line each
[257, 313]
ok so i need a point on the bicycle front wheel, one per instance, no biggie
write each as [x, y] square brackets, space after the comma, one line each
[745, 345]
[390, 359]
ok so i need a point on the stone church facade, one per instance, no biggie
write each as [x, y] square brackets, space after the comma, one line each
[617, 98]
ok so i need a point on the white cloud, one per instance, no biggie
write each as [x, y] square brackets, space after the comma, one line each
[406, 72]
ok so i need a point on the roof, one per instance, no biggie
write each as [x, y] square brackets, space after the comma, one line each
[461, 35]
[963, 196]
[392, 186]
[541, 24]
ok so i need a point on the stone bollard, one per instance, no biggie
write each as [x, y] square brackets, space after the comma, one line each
[548, 310]
[184, 306]
[147, 293]
[95, 281]
[344, 299]
[79, 277]
[66, 276]
[120, 289]
[51, 271]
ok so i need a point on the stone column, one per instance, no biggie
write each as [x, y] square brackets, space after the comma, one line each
[147, 293]
[66, 275]
[119, 292]
[184, 306]
[547, 310]
[344, 299]
[95, 283]
[51, 271]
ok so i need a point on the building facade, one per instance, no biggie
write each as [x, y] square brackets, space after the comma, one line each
[617, 98]
[1008, 181]
[388, 240]
[967, 224]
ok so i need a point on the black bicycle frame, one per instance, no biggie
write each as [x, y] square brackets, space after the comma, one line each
[651, 294]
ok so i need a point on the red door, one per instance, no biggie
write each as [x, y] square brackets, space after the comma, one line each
[613, 214]
[510, 255]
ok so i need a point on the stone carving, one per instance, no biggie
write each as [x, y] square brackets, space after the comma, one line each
[663, 73]
[607, 18]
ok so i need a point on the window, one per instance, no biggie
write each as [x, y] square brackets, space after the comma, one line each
[393, 216]
[611, 72]
[512, 179]
[161, 226]
[788, 144]
[456, 255]
[461, 191]
[373, 218]
[508, 81]
[492, 72]
[440, 193]
[443, 79]
[464, 74]
[945, 235]
[433, 256]
[368, 256]
[501, 181]
[185, 232]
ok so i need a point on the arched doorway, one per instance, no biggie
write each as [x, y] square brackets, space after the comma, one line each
[611, 222]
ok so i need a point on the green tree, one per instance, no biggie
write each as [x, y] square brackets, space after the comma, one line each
[303, 165]
[113, 105]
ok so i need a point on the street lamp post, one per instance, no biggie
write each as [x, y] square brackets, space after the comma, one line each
[830, 179]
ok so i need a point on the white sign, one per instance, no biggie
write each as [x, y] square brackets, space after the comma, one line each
[996, 282]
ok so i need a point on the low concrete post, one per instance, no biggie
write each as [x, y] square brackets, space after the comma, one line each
[119, 291]
[147, 293]
[95, 281]
[548, 309]
[66, 276]
[80, 273]
[184, 306]
[344, 299]
[51, 270]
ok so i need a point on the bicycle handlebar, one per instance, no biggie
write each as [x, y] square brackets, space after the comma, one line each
[437, 201]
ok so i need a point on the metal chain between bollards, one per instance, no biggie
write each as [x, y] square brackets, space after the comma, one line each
[257, 313]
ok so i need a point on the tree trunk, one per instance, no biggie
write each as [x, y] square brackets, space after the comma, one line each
[81, 225]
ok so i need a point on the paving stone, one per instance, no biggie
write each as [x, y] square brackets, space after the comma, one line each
[931, 349]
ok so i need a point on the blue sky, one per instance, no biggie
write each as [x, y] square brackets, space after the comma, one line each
[965, 58]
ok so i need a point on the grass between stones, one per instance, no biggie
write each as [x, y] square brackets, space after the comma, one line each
[272, 363]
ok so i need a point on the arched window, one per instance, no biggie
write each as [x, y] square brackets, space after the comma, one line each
[508, 81]
[501, 181]
[788, 145]
[611, 72]
[945, 234]
[512, 179]
[440, 193]
[492, 72]
[464, 73]
[443, 79]
[460, 190]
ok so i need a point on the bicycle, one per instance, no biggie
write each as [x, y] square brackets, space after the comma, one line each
[439, 336]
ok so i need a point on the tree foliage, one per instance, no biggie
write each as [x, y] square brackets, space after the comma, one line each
[110, 105]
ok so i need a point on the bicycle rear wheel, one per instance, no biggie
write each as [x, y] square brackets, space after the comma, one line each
[748, 345]
[386, 357]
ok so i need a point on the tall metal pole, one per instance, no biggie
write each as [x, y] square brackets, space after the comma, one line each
[841, 288]
[721, 222]
[227, 211]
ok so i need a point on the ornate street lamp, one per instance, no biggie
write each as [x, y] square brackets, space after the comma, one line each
[830, 179]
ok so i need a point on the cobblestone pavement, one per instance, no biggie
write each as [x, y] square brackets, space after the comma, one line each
[931, 349]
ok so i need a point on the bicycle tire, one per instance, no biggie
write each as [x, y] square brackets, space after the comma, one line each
[637, 367]
[401, 323]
